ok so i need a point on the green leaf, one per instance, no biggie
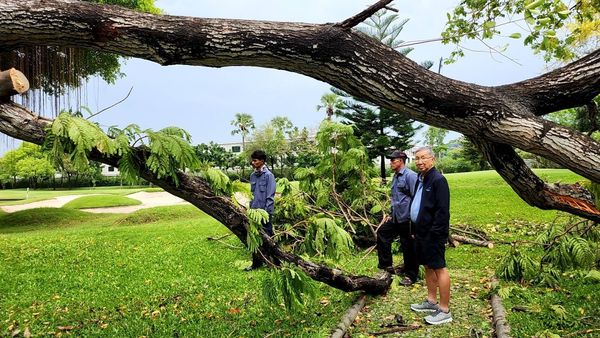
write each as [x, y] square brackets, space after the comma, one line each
[593, 275]
[534, 4]
[515, 36]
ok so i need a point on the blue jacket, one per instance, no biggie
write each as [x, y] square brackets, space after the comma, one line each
[403, 188]
[262, 185]
[433, 220]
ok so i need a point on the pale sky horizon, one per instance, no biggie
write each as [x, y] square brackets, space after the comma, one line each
[204, 100]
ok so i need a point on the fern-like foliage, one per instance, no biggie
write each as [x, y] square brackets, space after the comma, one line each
[76, 137]
[219, 182]
[290, 286]
[516, 266]
[570, 252]
[168, 150]
[326, 237]
[257, 218]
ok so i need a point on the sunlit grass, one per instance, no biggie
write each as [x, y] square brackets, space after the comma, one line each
[101, 201]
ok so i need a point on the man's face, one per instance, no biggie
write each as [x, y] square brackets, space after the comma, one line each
[257, 164]
[396, 164]
[424, 161]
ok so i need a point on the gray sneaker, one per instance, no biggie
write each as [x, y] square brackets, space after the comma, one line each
[439, 317]
[426, 306]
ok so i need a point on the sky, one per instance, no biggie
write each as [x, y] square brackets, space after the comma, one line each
[204, 100]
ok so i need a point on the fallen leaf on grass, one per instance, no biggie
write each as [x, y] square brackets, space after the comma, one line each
[234, 311]
[27, 333]
[65, 328]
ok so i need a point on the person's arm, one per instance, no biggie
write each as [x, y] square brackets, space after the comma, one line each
[271, 186]
[441, 216]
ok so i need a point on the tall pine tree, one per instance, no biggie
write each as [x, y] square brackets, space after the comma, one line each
[380, 129]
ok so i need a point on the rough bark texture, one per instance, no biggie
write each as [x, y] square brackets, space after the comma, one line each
[501, 327]
[507, 116]
[349, 317]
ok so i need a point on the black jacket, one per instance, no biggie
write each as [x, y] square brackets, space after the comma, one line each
[433, 220]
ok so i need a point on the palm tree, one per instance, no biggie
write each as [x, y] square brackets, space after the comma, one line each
[331, 102]
[243, 124]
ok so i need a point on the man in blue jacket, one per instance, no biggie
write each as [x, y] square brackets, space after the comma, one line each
[398, 223]
[262, 185]
[430, 216]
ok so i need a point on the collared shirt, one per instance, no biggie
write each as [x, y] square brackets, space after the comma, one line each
[403, 185]
[415, 207]
[262, 185]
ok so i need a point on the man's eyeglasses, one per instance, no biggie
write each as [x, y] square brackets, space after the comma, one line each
[423, 158]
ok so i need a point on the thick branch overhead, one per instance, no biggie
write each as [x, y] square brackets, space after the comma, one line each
[361, 66]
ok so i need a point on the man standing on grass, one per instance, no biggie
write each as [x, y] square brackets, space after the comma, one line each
[398, 224]
[262, 185]
[430, 214]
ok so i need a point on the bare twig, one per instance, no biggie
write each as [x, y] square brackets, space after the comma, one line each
[364, 15]
[107, 108]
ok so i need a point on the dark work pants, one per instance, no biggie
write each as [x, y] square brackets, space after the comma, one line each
[386, 233]
[256, 257]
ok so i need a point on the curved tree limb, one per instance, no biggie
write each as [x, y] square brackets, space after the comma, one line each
[19, 122]
[573, 85]
[571, 198]
[347, 60]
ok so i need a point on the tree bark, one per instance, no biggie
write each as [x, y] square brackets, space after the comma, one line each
[463, 239]
[12, 82]
[361, 66]
[501, 327]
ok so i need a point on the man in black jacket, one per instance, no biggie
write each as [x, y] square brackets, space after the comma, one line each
[430, 215]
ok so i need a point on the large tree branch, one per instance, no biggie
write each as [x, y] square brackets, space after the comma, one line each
[571, 198]
[351, 61]
[569, 86]
[19, 122]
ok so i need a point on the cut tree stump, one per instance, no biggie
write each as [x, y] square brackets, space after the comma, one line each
[12, 82]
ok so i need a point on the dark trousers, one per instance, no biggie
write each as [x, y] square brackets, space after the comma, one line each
[386, 233]
[256, 257]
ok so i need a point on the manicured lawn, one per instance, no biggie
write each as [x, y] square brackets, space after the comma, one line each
[101, 201]
[21, 196]
[151, 273]
[154, 273]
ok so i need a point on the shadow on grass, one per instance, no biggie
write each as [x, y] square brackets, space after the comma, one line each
[41, 218]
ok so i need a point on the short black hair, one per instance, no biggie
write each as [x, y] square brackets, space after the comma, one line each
[259, 155]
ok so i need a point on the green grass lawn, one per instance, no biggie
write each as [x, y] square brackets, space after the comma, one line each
[101, 201]
[151, 273]
[154, 273]
[21, 196]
